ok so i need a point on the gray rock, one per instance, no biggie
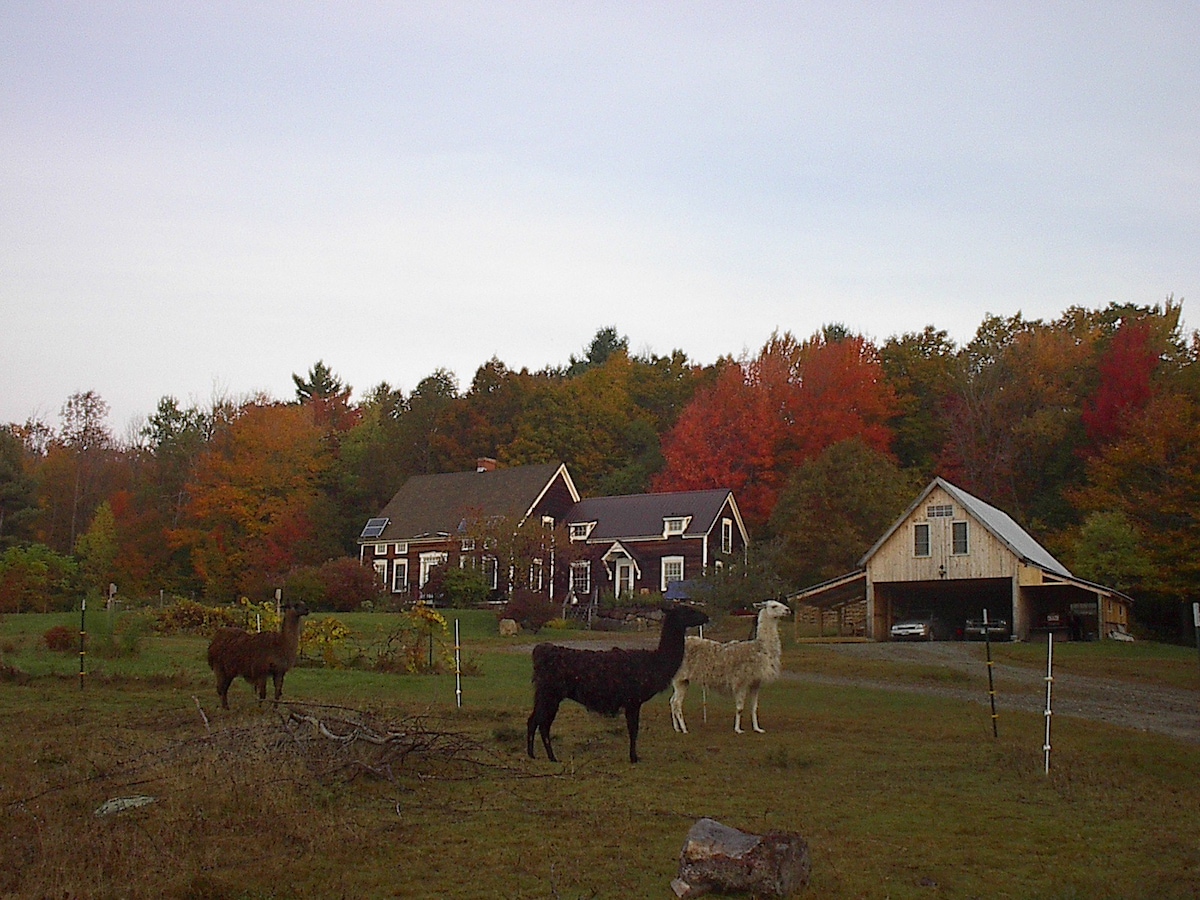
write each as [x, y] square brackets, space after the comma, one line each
[718, 858]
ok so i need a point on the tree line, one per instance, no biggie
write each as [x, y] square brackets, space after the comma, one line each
[1083, 428]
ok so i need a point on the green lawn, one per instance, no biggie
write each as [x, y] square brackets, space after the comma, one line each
[898, 795]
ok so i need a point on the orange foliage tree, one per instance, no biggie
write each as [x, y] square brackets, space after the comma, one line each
[764, 417]
[252, 498]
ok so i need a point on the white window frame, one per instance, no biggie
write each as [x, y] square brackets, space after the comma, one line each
[727, 535]
[401, 549]
[966, 539]
[581, 577]
[400, 584]
[380, 570]
[580, 531]
[921, 528]
[429, 560]
[467, 545]
[381, 549]
[491, 571]
[536, 575]
[940, 511]
[675, 525]
[669, 565]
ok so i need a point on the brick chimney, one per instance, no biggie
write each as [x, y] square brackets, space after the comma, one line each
[485, 464]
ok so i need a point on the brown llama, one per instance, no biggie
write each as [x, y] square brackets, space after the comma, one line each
[233, 652]
[606, 681]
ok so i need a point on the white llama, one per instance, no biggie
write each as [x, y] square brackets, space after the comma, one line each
[739, 668]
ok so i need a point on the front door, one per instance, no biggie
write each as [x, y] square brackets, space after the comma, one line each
[625, 578]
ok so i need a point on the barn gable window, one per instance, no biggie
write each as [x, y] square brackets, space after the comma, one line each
[726, 535]
[959, 539]
[940, 511]
[921, 539]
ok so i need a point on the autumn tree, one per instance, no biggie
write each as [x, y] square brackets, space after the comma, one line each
[96, 550]
[1151, 477]
[834, 507]
[251, 499]
[764, 417]
[328, 396]
[920, 367]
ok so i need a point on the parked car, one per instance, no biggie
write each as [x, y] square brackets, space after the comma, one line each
[921, 626]
[996, 630]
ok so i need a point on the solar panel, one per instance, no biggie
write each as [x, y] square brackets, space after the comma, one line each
[373, 528]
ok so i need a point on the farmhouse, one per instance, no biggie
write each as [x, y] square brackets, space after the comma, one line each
[955, 556]
[435, 520]
[641, 543]
[626, 545]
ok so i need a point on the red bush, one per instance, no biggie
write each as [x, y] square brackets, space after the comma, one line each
[59, 638]
[529, 610]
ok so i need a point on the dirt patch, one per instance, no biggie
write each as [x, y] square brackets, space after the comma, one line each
[1170, 711]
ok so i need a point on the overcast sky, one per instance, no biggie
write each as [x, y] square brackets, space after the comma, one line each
[201, 198]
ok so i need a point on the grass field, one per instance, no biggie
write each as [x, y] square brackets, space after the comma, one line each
[898, 795]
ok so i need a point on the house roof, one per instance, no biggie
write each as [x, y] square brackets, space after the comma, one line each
[998, 523]
[635, 516]
[429, 505]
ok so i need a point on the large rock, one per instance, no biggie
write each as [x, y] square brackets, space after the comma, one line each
[509, 628]
[718, 858]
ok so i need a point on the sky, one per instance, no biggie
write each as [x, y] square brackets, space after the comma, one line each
[200, 200]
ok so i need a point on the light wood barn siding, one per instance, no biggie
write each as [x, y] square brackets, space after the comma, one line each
[986, 556]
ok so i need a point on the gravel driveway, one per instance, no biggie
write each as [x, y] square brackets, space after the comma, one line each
[1165, 710]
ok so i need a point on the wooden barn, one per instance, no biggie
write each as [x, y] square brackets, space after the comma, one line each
[955, 556]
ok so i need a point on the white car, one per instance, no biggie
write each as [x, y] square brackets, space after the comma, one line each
[923, 626]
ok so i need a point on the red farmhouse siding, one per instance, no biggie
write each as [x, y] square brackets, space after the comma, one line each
[426, 521]
[638, 544]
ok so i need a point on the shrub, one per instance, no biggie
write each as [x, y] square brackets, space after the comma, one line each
[418, 645]
[530, 610]
[465, 587]
[189, 616]
[348, 584]
[59, 639]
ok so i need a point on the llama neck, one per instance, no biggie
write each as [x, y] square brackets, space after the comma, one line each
[291, 633]
[767, 634]
[670, 643]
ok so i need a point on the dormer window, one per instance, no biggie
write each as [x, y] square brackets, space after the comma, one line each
[675, 525]
[580, 530]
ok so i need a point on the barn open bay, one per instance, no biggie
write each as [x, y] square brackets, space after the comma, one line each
[899, 794]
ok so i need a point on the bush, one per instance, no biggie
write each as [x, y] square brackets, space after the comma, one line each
[530, 610]
[348, 584]
[465, 588]
[190, 616]
[60, 639]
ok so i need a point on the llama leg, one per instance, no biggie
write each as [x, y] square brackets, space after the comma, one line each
[260, 687]
[754, 709]
[223, 683]
[278, 676]
[540, 720]
[677, 698]
[740, 701]
[633, 715]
